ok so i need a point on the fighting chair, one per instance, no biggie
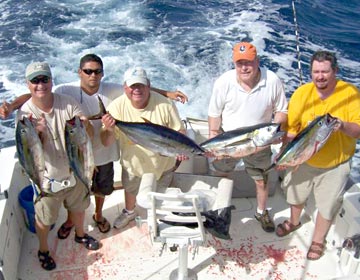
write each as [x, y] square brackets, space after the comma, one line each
[167, 219]
[169, 210]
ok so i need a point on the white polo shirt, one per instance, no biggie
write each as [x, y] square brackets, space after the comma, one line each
[239, 108]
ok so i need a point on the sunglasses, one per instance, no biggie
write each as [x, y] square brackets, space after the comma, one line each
[37, 80]
[90, 71]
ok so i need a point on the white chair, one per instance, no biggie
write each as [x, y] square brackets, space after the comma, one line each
[188, 193]
[176, 208]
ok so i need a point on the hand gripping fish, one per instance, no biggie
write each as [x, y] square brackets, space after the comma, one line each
[79, 150]
[159, 139]
[30, 151]
[243, 141]
[306, 143]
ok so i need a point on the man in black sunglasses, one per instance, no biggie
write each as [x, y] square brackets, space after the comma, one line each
[86, 91]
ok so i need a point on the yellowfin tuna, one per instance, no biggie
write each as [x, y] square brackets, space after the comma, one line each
[30, 151]
[79, 150]
[306, 143]
[244, 141]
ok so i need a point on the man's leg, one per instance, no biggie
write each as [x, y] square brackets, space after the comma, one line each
[262, 214]
[128, 213]
[103, 184]
[42, 232]
[262, 192]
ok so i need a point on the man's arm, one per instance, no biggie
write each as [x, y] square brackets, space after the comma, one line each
[281, 118]
[7, 108]
[214, 126]
[349, 128]
[107, 134]
[174, 95]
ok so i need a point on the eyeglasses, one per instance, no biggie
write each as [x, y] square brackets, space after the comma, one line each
[37, 80]
[90, 71]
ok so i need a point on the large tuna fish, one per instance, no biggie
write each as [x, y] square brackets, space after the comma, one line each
[243, 141]
[79, 150]
[29, 150]
[159, 139]
[306, 143]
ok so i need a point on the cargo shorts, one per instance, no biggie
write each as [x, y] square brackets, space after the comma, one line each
[328, 185]
[75, 199]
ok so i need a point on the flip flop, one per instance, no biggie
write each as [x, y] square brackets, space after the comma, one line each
[283, 228]
[64, 231]
[103, 225]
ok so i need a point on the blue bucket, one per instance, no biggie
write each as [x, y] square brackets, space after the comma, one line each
[27, 203]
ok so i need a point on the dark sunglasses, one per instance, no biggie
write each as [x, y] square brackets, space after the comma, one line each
[90, 71]
[37, 80]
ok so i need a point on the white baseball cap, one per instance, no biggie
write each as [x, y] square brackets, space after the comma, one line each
[135, 75]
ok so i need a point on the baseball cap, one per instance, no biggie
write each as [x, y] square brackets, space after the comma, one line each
[37, 69]
[135, 75]
[244, 50]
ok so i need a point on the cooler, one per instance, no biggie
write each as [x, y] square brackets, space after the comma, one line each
[347, 221]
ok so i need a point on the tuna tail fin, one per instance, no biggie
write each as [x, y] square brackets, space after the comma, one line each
[102, 111]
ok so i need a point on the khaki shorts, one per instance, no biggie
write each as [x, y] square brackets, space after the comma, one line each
[75, 199]
[327, 184]
[255, 164]
[131, 183]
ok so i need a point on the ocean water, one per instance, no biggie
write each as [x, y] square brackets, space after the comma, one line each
[184, 44]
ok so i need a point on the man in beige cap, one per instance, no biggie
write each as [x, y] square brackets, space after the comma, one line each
[245, 96]
[49, 112]
[138, 104]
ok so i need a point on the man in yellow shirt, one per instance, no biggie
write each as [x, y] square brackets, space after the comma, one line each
[327, 172]
[136, 105]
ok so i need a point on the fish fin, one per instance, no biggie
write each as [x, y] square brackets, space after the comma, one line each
[146, 120]
[102, 111]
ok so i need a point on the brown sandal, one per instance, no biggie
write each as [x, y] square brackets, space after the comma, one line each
[317, 249]
[64, 231]
[103, 225]
[285, 228]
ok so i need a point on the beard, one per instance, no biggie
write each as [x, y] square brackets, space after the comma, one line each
[322, 84]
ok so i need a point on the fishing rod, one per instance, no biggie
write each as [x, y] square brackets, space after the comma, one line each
[297, 42]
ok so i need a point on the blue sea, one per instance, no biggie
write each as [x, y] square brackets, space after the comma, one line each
[184, 44]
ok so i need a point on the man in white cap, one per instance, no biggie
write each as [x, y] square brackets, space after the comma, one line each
[245, 96]
[138, 104]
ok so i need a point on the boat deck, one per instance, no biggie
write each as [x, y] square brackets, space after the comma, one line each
[130, 254]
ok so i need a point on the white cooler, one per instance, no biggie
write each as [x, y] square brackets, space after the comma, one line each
[347, 222]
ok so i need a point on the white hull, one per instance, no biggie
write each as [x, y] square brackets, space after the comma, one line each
[130, 253]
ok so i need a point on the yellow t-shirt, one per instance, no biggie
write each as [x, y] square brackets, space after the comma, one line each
[305, 105]
[134, 158]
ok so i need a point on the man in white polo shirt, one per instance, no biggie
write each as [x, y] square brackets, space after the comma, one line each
[245, 96]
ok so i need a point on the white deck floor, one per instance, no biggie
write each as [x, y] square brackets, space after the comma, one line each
[129, 253]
